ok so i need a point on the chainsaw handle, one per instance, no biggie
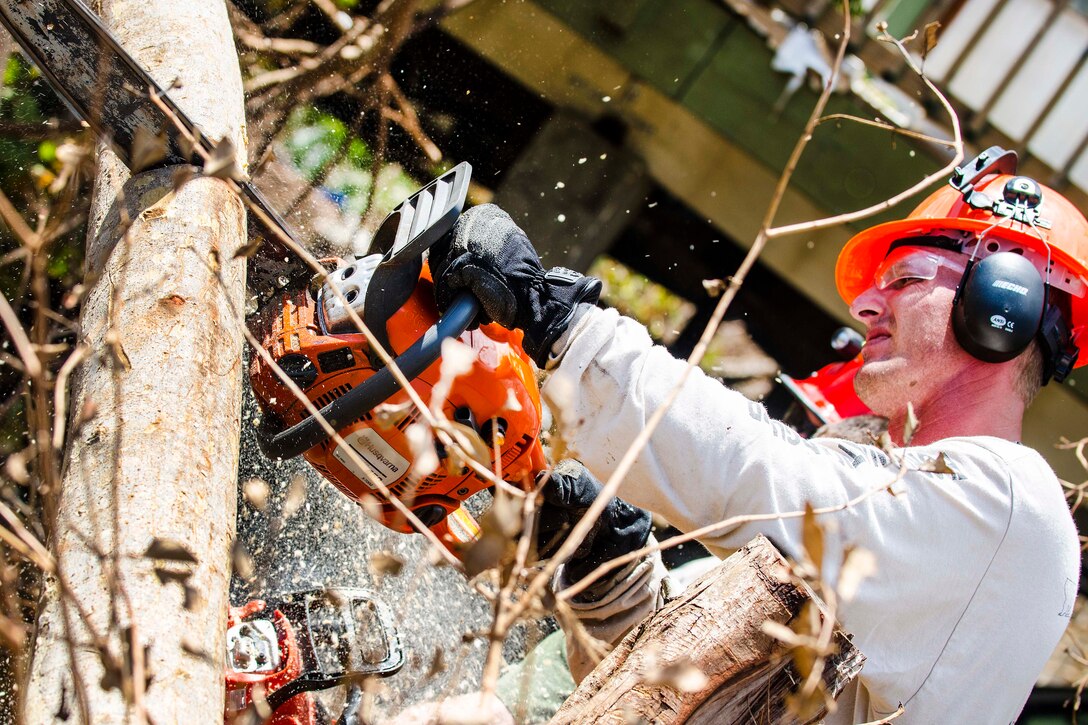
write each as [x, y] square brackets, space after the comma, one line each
[378, 388]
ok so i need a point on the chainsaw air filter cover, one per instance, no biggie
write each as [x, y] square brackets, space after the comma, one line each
[317, 344]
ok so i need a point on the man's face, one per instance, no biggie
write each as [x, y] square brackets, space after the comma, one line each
[910, 351]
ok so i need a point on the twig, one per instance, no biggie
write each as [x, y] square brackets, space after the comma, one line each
[23, 346]
[60, 393]
[884, 720]
[18, 225]
[884, 125]
[709, 530]
[957, 144]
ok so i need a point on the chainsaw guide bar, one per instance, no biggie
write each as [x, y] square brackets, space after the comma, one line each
[105, 87]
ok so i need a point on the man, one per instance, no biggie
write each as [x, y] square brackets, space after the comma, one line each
[969, 304]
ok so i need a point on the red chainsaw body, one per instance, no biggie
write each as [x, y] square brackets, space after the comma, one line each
[500, 391]
[830, 390]
[243, 687]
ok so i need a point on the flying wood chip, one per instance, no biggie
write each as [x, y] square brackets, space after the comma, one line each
[147, 149]
[169, 551]
[222, 163]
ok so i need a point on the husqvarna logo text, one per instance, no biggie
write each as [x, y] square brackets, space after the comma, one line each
[1011, 287]
[1001, 323]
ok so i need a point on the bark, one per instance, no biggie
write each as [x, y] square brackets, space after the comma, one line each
[159, 459]
[716, 627]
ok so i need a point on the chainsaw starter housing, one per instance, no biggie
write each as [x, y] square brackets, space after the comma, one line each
[498, 397]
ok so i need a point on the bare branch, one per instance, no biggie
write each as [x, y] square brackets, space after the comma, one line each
[23, 346]
[957, 144]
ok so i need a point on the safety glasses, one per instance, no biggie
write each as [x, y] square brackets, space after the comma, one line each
[912, 263]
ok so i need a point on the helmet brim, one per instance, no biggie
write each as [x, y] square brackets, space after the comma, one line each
[863, 253]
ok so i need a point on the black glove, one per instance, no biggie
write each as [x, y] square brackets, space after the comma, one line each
[568, 494]
[488, 255]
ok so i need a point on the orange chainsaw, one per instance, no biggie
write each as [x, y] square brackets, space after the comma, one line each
[316, 343]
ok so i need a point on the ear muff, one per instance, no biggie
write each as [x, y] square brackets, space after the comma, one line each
[998, 307]
[1059, 351]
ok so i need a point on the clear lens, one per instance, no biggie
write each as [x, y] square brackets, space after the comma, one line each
[910, 263]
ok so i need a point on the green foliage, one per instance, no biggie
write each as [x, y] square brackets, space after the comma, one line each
[320, 146]
[663, 312]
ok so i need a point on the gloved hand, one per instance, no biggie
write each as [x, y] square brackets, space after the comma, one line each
[488, 255]
[568, 494]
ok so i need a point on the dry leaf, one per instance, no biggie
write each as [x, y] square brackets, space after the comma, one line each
[937, 465]
[858, 565]
[680, 676]
[910, 427]
[111, 669]
[189, 647]
[385, 562]
[117, 351]
[169, 551]
[371, 507]
[469, 442]
[193, 598]
[781, 632]
[16, 468]
[714, 287]
[388, 415]
[222, 163]
[504, 516]
[182, 175]
[930, 35]
[165, 576]
[812, 537]
[189, 147]
[421, 445]
[147, 149]
[243, 562]
[250, 249]
[438, 664]
[86, 413]
[884, 442]
[256, 492]
[499, 528]
[487, 552]
[457, 359]
[174, 300]
[296, 496]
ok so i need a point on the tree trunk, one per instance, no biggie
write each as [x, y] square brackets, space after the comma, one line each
[716, 627]
[126, 633]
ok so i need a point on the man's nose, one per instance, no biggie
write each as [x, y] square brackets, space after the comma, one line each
[867, 305]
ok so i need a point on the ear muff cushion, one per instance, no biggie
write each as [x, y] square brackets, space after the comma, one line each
[999, 307]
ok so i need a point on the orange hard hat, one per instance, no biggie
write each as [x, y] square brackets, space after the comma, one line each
[998, 212]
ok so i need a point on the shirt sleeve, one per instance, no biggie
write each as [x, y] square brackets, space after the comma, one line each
[715, 455]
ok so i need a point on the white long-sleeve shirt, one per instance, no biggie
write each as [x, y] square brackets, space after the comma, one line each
[977, 570]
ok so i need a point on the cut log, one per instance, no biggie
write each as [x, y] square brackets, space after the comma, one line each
[715, 626]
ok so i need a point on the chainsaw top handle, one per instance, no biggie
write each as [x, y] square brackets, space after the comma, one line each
[409, 230]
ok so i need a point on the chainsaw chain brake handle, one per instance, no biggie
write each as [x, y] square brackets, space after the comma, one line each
[310, 640]
[409, 230]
